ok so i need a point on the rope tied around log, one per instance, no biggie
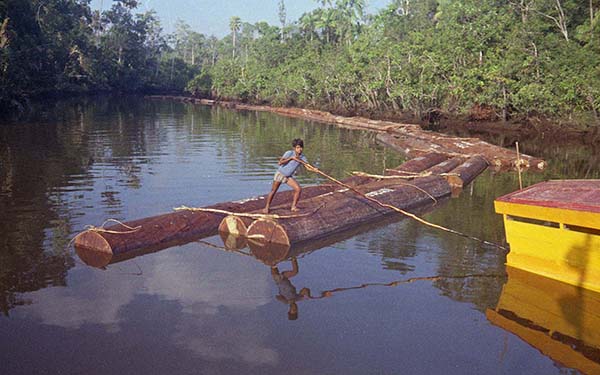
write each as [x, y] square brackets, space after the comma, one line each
[101, 229]
[312, 168]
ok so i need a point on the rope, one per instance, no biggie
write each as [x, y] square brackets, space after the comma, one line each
[394, 208]
[101, 229]
[241, 214]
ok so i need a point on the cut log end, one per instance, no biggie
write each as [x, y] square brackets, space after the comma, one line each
[233, 225]
[455, 181]
[233, 241]
[93, 249]
[270, 232]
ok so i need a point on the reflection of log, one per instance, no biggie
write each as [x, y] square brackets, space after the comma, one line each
[177, 228]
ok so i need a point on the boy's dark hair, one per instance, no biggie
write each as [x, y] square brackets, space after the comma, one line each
[298, 142]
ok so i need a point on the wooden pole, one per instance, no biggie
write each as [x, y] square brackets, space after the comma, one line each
[519, 167]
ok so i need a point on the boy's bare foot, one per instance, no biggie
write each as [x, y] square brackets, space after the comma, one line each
[294, 209]
[265, 211]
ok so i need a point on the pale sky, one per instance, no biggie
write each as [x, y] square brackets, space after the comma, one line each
[212, 17]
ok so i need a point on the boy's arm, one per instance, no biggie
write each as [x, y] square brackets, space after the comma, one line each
[286, 158]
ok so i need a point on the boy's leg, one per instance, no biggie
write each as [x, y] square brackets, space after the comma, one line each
[297, 190]
[274, 189]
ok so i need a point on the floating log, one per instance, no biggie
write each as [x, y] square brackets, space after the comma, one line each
[272, 253]
[100, 247]
[176, 227]
[466, 172]
[348, 209]
[412, 143]
[429, 163]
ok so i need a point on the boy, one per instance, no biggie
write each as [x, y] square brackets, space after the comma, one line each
[289, 162]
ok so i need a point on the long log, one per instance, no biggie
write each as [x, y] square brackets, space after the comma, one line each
[349, 210]
[98, 248]
[176, 227]
[272, 253]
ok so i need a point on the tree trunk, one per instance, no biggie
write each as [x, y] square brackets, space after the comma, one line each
[346, 210]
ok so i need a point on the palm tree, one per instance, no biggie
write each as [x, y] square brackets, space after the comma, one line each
[234, 25]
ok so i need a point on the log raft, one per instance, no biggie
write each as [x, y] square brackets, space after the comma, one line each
[344, 209]
[408, 139]
[101, 247]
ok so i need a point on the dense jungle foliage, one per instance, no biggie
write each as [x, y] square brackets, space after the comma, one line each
[492, 59]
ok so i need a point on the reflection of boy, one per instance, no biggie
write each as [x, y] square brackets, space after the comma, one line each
[289, 162]
[287, 292]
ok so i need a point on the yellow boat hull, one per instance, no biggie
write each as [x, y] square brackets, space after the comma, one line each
[557, 243]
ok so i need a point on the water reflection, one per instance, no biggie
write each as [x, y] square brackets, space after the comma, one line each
[80, 161]
[560, 320]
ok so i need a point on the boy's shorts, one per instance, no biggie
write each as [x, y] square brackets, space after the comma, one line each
[279, 177]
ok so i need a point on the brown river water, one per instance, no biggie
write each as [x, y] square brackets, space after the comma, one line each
[395, 297]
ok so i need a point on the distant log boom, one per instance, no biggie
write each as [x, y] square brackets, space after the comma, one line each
[412, 142]
[98, 247]
[408, 139]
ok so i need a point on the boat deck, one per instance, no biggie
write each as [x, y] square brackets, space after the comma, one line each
[575, 202]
